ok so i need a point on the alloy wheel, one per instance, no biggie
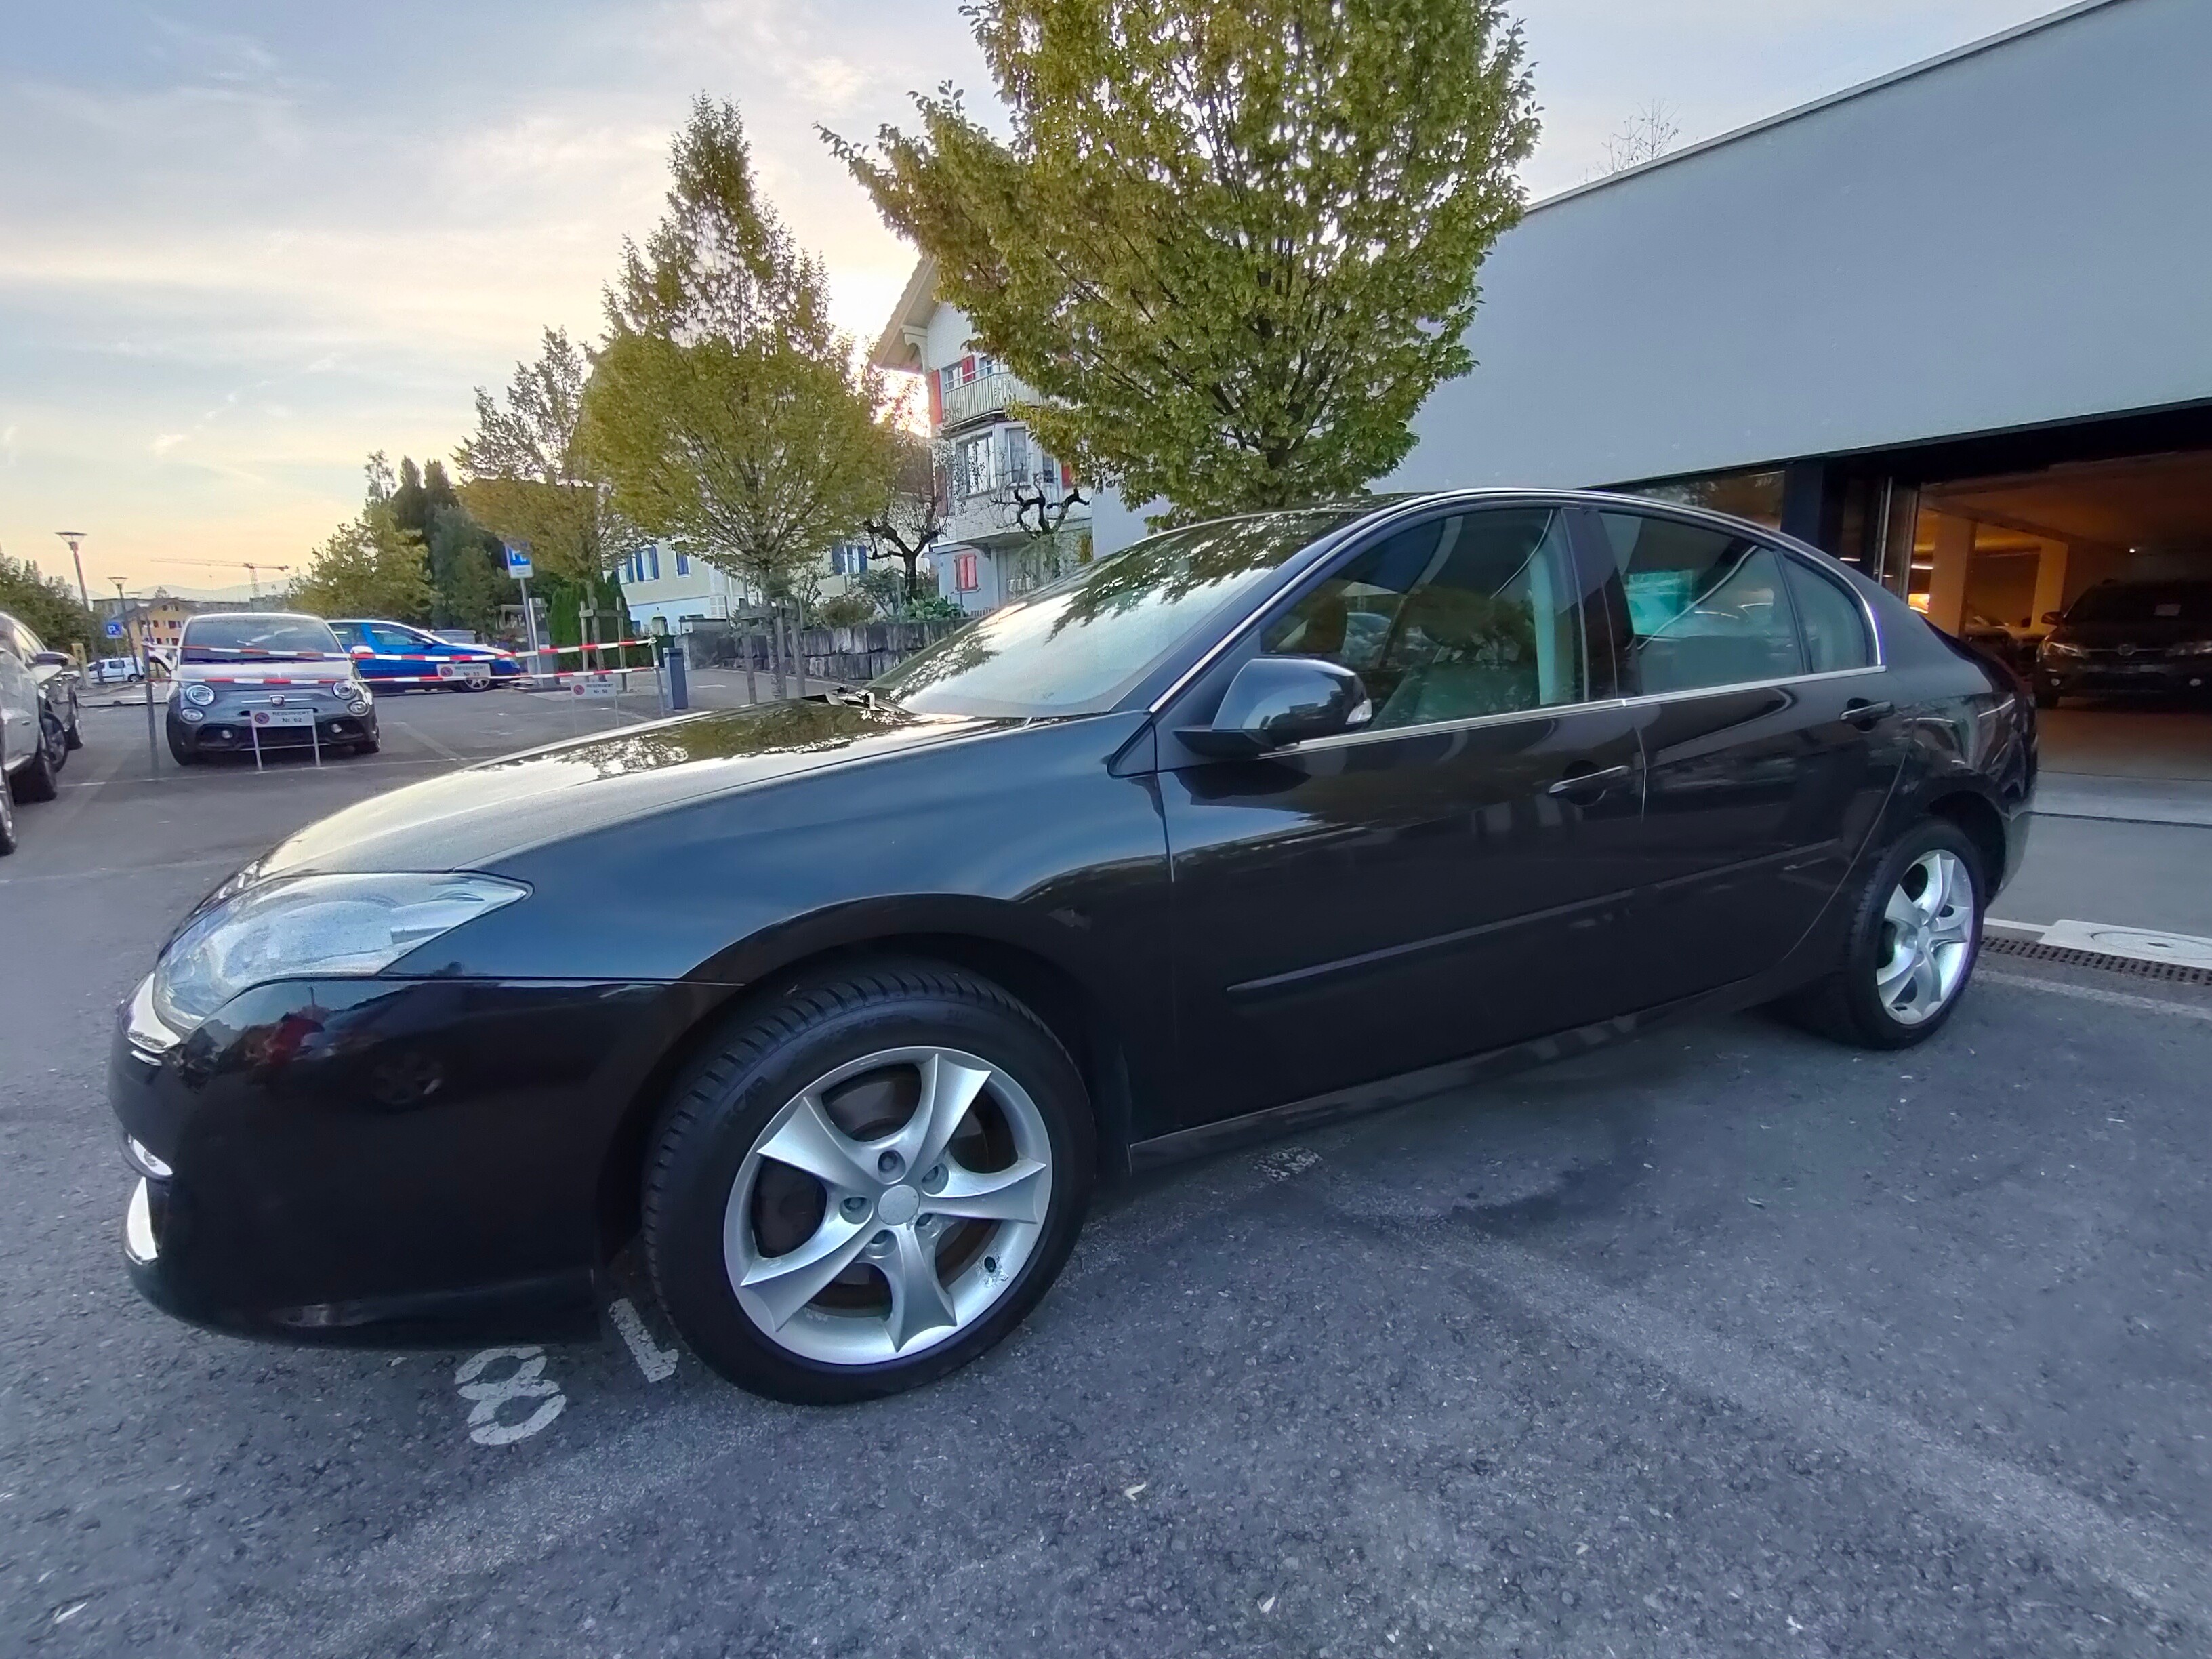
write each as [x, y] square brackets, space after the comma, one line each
[1927, 938]
[888, 1206]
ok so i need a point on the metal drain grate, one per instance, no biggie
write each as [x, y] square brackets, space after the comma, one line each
[2175, 973]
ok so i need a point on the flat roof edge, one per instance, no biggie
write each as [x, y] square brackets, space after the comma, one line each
[1827, 100]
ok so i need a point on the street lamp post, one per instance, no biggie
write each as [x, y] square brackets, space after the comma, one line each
[73, 536]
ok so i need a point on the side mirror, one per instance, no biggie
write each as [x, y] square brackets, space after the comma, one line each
[1275, 701]
[363, 651]
[50, 659]
[2051, 618]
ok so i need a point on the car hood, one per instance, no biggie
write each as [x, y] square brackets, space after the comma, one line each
[471, 818]
[326, 671]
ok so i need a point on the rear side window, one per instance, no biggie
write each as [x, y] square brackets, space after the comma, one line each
[1704, 608]
[1832, 620]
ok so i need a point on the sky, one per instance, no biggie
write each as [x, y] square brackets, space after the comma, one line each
[243, 243]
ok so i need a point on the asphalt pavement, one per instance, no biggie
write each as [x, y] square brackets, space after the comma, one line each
[1729, 1341]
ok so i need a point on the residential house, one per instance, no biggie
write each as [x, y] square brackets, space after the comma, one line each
[1015, 516]
[660, 581]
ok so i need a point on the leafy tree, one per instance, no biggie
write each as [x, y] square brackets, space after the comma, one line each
[48, 606]
[1232, 242]
[522, 474]
[468, 571]
[913, 515]
[369, 567]
[724, 410]
[421, 494]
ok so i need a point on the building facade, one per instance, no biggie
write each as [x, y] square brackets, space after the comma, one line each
[1951, 325]
[1015, 517]
[664, 587]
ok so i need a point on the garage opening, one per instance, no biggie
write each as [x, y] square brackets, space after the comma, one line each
[2095, 577]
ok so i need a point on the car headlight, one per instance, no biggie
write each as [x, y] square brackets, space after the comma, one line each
[353, 691]
[194, 692]
[326, 926]
[2060, 648]
[2190, 648]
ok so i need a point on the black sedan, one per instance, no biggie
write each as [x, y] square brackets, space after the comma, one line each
[2130, 636]
[845, 1005]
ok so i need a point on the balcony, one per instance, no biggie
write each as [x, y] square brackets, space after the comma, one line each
[984, 396]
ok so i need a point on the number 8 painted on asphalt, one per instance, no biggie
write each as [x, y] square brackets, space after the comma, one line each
[527, 1381]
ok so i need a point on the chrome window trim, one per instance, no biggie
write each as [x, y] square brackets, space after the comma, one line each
[1548, 711]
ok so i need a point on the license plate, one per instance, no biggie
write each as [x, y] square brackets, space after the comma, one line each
[266, 718]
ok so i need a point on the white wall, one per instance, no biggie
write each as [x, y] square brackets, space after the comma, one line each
[2020, 234]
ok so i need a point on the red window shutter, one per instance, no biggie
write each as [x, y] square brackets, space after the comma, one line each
[1066, 476]
[967, 370]
[936, 399]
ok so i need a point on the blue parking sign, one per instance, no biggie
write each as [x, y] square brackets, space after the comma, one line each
[114, 630]
[518, 561]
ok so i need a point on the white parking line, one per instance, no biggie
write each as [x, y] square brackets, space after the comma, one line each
[2161, 1570]
[658, 1364]
[2090, 994]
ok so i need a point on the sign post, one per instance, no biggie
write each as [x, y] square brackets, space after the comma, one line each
[519, 566]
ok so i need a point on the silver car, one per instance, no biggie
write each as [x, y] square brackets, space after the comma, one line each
[255, 681]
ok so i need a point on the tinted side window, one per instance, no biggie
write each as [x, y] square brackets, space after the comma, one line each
[1470, 615]
[1704, 608]
[349, 635]
[1831, 620]
[391, 640]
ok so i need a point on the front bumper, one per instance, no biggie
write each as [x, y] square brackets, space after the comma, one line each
[390, 1161]
[2170, 676]
[228, 731]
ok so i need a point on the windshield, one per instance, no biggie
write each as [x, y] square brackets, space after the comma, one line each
[1077, 647]
[2134, 602]
[225, 638]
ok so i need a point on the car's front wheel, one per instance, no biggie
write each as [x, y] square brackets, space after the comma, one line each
[7, 842]
[1916, 933]
[866, 1184]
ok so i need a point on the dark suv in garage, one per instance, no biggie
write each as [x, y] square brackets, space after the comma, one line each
[2130, 636]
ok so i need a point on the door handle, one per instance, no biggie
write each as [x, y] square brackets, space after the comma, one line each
[1865, 715]
[1586, 786]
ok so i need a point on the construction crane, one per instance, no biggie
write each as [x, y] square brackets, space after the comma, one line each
[253, 570]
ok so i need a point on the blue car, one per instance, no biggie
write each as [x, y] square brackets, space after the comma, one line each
[392, 655]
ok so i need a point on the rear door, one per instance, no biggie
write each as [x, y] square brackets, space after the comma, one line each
[1445, 881]
[1769, 743]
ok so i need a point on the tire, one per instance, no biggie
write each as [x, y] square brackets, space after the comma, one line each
[56, 737]
[71, 735]
[367, 746]
[2046, 695]
[1855, 1003]
[34, 779]
[182, 752]
[8, 841]
[865, 1045]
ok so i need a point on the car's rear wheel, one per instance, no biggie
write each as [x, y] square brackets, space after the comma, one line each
[1916, 933]
[35, 779]
[867, 1184]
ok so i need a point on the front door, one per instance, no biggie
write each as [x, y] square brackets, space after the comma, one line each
[1768, 747]
[1445, 881]
[19, 695]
